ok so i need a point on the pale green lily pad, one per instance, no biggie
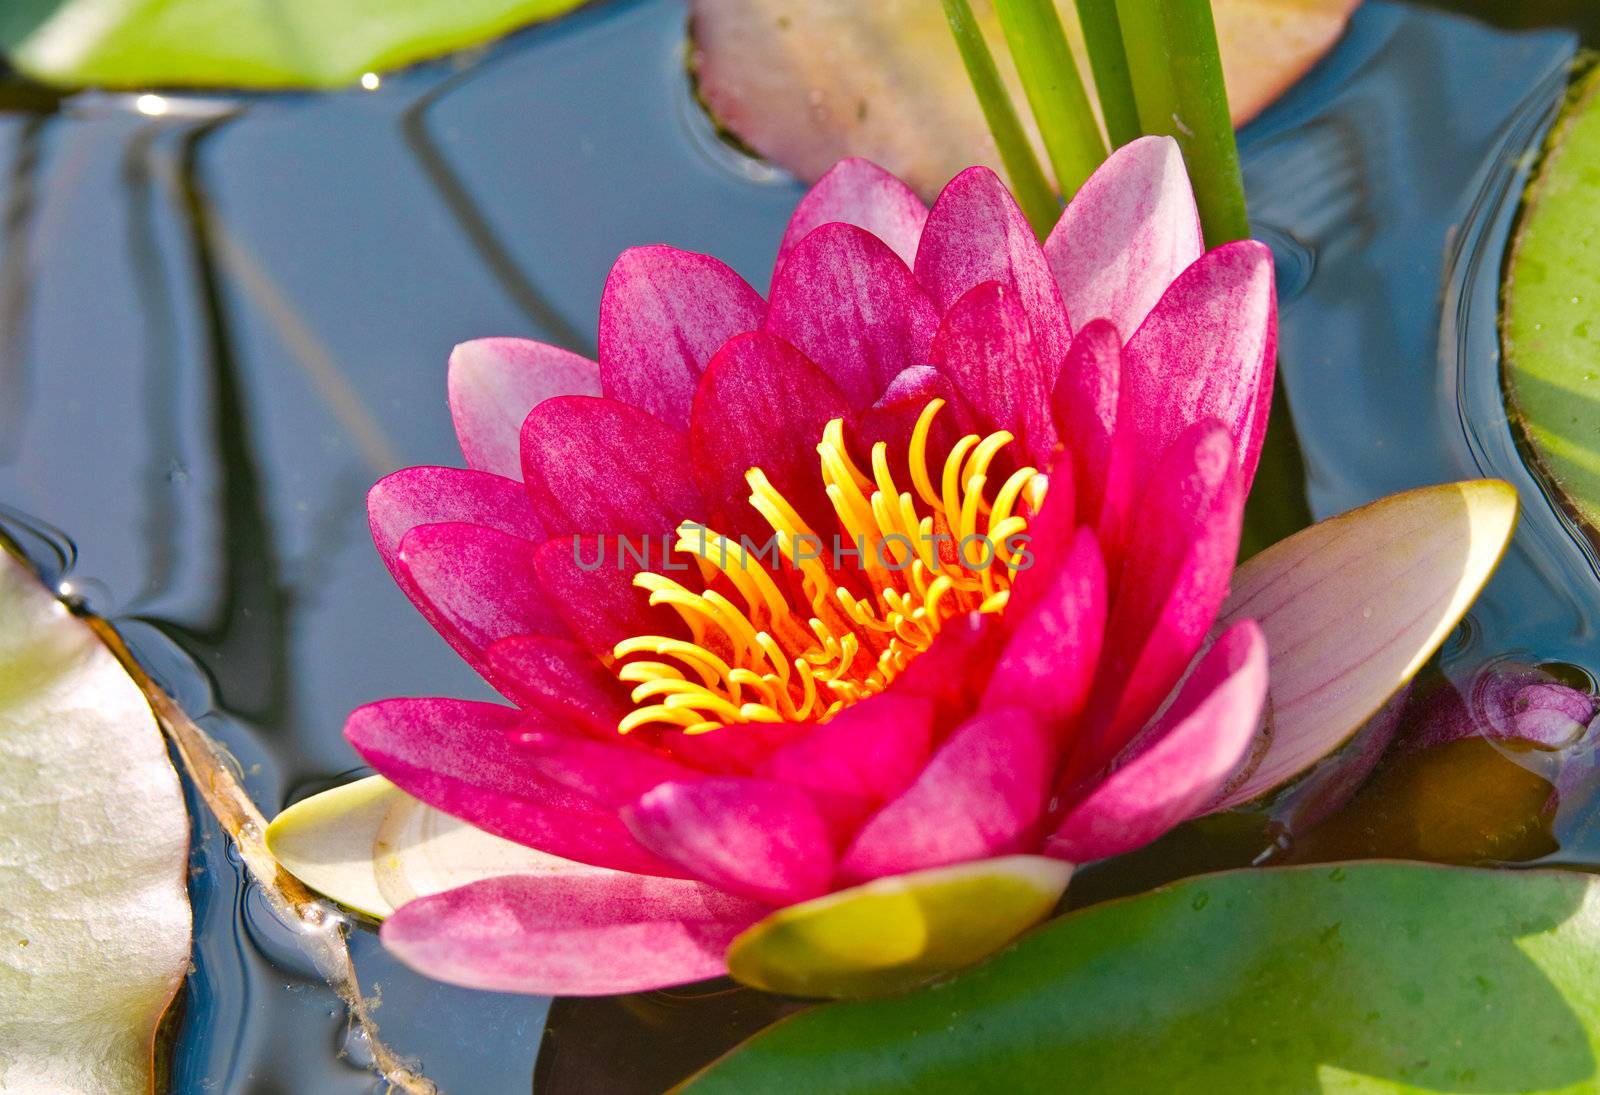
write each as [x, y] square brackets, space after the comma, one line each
[245, 43]
[1551, 319]
[897, 932]
[371, 847]
[1380, 977]
[94, 847]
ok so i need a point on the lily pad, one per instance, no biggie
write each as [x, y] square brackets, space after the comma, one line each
[245, 43]
[371, 847]
[1551, 321]
[808, 82]
[1369, 976]
[94, 847]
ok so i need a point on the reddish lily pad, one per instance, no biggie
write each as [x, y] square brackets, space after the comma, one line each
[808, 82]
[1362, 976]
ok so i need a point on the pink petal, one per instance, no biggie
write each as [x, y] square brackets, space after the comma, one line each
[986, 348]
[597, 465]
[893, 420]
[1049, 662]
[1174, 770]
[1085, 403]
[479, 583]
[847, 302]
[570, 935]
[400, 502]
[563, 680]
[981, 795]
[607, 772]
[663, 313]
[589, 580]
[495, 382]
[1206, 351]
[457, 756]
[1126, 235]
[870, 751]
[733, 750]
[975, 234]
[1052, 534]
[762, 404]
[1184, 541]
[952, 670]
[757, 838]
[859, 192]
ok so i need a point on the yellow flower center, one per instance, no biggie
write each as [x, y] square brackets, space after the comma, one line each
[758, 654]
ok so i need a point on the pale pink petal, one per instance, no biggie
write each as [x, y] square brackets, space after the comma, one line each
[1174, 770]
[597, 465]
[1126, 235]
[1181, 552]
[859, 192]
[758, 838]
[981, 795]
[663, 314]
[852, 306]
[458, 756]
[1206, 351]
[570, 935]
[975, 234]
[495, 382]
[1049, 662]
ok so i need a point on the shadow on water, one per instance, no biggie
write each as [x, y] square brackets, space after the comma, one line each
[218, 327]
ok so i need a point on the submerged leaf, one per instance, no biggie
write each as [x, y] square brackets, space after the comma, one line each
[245, 43]
[1391, 977]
[809, 82]
[94, 840]
[1550, 323]
[371, 847]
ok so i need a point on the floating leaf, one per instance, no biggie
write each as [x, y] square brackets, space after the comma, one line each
[94, 846]
[1370, 976]
[895, 932]
[1551, 324]
[245, 43]
[371, 847]
[1353, 606]
[807, 82]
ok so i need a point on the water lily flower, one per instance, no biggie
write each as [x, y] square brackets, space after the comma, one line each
[837, 625]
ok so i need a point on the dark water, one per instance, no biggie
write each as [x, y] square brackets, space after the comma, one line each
[220, 325]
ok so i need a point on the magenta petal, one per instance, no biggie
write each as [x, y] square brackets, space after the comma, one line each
[1126, 235]
[758, 838]
[1174, 770]
[480, 584]
[1049, 662]
[400, 502]
[852, 306]
[457, 756]
[606, 772]
[597, 465]
[589, 580]
[981, 795]
[563, 680]
[1085, 404]
[495, 382]
[1206, 351]
[870, 751]
[1181, 552]
[762, 404]
[663, 314]
[570, 935]
[859, 192]
[740, 751]
[986, 348]
[975, 234]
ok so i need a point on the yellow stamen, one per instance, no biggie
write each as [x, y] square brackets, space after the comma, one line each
[770, 655]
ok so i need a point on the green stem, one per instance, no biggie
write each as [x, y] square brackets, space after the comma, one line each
[1102, 33]
[1028, 183]
[1055, 91]
[1171, 47]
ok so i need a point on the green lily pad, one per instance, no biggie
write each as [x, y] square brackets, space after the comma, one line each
[1551, 320]
[94, 847]
[245, 43]
[1363, 976]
